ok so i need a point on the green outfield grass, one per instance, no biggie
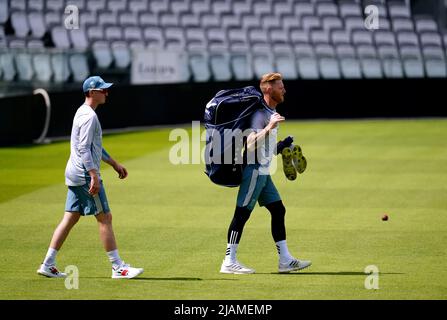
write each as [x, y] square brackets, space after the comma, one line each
[172, 221]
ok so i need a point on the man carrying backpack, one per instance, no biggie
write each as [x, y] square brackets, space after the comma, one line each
[257, 184]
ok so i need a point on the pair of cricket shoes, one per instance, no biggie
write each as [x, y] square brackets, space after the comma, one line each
[235, 267]
[123, 271]
[293, 161]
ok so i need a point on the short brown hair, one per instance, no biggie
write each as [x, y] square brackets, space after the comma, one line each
[268, 78]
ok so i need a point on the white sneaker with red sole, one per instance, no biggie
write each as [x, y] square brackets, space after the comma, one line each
[125, 271]
[50, 271]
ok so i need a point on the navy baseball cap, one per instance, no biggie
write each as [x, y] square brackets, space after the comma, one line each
[95, 82]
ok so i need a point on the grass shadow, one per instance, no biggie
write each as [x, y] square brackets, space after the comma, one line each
[339, 273]
[169, 279]
[147, 278]
[181, 279]
[166, 279]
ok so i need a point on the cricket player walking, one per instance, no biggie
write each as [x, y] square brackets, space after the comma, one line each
[257, 184]
[86, 194]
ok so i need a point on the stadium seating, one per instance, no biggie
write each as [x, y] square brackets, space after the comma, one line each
[7, 66]
[78, 67]
[4, 11]
[220, 66]
[349, 64]
[221, 39]
[284, 59]
[42, 66]
[199, 66]
[60, 67]
[391, 64]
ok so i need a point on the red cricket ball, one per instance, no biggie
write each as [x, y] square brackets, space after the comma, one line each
[385, 217]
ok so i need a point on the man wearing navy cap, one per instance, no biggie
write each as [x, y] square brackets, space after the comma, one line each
[86, 194]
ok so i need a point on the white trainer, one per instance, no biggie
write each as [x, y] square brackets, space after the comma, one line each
[235, 268]
[125, 271]
[50, 271]
[293, 265]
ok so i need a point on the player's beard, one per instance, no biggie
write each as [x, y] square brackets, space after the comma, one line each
[278, 98]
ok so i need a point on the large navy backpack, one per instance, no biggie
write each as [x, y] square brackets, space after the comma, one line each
[227, 111]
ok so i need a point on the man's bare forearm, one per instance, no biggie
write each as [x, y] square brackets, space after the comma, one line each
[254, 137]
[107, 158]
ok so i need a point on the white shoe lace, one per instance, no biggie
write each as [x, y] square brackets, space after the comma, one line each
[123, 265]
[239, 265]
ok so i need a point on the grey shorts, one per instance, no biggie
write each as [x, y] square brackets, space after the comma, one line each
[79, 200]
[256, 187]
